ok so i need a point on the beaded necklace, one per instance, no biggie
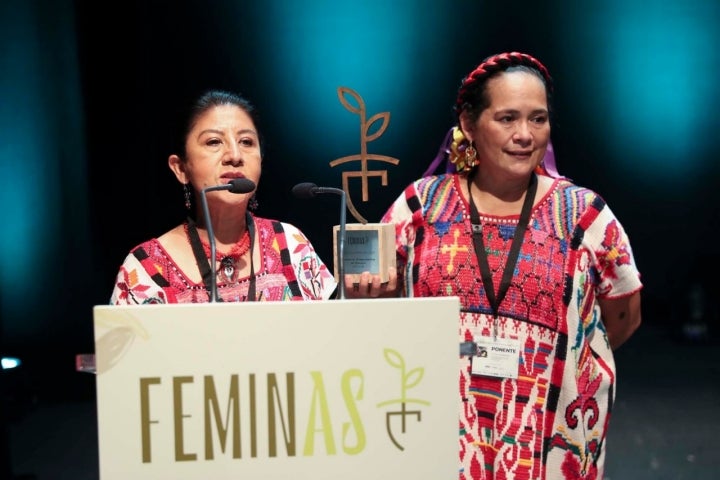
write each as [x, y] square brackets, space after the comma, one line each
[228, 272]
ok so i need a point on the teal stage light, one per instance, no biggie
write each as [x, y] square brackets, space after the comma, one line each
[8, 363]
[376, 48]
[651, 80]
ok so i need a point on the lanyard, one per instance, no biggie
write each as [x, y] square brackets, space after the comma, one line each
[514, 253]
[204, 264]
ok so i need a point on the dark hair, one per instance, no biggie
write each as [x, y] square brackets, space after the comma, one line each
[210, 99]
[472, 95]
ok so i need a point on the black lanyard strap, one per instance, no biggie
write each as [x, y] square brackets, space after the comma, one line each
[514, 253]
[202, 261]
[250, 225]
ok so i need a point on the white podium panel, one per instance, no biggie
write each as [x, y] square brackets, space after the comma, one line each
[351, 389]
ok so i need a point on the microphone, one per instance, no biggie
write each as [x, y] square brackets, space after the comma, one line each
[310, 190]
[241, 185]
[236, 185]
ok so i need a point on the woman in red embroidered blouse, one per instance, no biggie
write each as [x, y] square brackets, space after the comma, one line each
[545, 274]
[256, 258]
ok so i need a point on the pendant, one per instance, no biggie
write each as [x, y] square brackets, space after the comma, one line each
[228, 272]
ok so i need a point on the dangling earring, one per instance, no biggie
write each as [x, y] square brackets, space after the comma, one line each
[187, 194]
[462, 153]
[470, 156]
[253, 203]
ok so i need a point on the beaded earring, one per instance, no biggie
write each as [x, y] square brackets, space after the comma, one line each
[187, 194]
[470, 156]
[253, 203]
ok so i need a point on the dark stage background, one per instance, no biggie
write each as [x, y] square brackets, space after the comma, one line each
[89, 90]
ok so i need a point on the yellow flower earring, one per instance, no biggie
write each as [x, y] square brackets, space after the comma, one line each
[462, 153]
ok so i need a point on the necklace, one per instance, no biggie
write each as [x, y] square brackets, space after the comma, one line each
[228, 272]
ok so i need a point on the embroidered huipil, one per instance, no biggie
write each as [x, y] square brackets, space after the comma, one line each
[551, 421]
[290, 269]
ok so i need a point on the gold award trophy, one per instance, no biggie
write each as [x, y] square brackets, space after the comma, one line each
[368, 247]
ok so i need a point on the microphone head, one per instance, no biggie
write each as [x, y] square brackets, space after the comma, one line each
[241, 185]
[305, 190]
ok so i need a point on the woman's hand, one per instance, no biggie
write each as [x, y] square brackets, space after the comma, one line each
[370, 286]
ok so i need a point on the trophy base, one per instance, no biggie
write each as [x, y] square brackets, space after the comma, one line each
[369, 247]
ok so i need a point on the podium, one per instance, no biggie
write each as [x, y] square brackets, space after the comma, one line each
[351, 389]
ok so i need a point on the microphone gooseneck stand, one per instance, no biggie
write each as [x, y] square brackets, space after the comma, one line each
[341, 248]
[237, 185]
[310, 190]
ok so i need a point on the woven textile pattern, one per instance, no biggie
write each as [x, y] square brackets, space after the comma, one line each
[290, 270]
[550, 422]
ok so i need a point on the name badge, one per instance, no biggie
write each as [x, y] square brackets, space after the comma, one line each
[496, 358]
